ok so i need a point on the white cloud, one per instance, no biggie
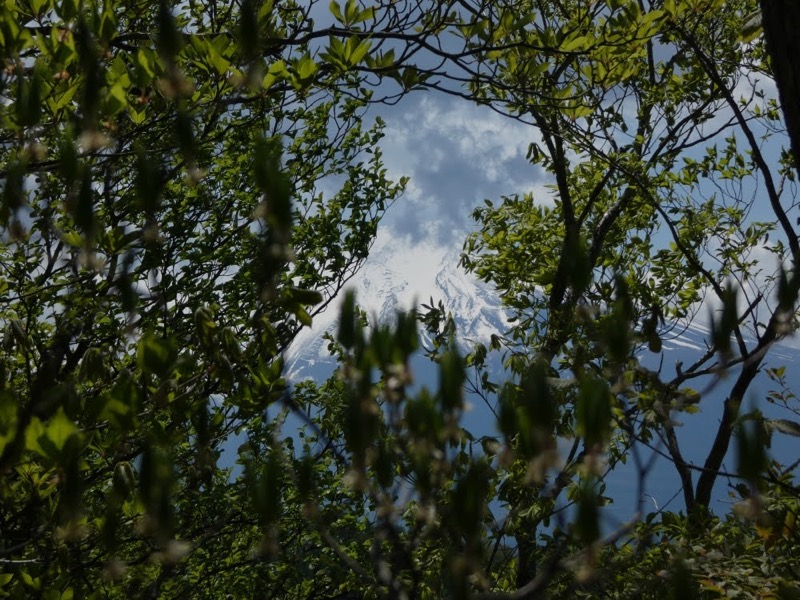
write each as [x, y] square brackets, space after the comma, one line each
[485, 141]
[456, 155]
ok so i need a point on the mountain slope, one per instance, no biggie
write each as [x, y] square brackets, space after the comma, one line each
[393, 280]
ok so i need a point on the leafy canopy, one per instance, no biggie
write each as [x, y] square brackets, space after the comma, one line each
[186, 186]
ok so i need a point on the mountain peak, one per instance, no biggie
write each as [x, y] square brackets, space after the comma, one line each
[400, 277]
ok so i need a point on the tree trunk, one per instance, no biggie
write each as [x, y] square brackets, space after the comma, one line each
[781, 22]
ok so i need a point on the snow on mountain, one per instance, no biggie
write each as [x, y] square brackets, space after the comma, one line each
[398, 279]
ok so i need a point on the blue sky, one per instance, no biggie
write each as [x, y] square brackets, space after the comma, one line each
[456, 154]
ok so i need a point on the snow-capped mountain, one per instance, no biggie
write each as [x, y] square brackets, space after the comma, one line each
[392, 281]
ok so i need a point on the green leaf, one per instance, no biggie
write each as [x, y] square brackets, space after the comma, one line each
[588, 517]
[8, 418]
[145, 70]
[93, 367]
[306, 67]
[116, 100]
[751, 447]
[304, 296]
[156, 355]
[185, 133]
[303, 316]
[124, 479]
[336, 11]
[355, 50]
[108, 24]
[351, 11]
[29, 96]
[576, 44]
[277, 187]
[30, 581]
[137, 117]
[593, 410]
[265, 486]
[148, 181]
[784, 426]
[723, 326]
[452, 375]
[220, 64]
[540, 409]
[364, 15]
[347, 321]
[169, 38]
[14, 189]
[48, 439]
[248, 29]
[204, 320]
[121, 403]
[752, 28]
[155, 488]
[65, 98]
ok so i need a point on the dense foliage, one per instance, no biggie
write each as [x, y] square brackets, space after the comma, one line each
[186, 186]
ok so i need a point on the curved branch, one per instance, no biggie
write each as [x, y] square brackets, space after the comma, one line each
[758, 157]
